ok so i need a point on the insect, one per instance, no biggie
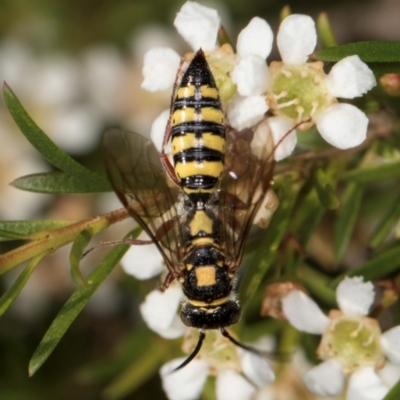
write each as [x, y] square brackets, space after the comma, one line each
[199, 211]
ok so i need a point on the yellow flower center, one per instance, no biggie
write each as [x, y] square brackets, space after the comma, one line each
[354, 342]
[298, 92]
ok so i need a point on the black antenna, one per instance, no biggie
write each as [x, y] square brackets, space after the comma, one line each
[251, 349]
[196, 350]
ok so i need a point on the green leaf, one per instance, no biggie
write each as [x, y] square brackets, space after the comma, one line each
[137, 373]
[74, 306]
[379, 267]
[8, 297]
[20, 230]
[385, 68]
[62, 183]
[51, 240]
[317, 284]
[394, 393]
[304, 220]
[267, 249]
[387, 223]
[325, 32]
[124, 355]
[346, 219]
[75, 256]
[325, 190]
[47, 148]
[373, 51]
[376, 173]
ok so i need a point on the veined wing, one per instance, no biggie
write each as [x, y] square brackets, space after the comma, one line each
[136, 173]
[247, 176]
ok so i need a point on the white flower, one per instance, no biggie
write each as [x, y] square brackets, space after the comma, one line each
[242, 79]
[143, 261]
[352, 344]
[227, 362]
[159, 310]
[198, 25]
[301, 90]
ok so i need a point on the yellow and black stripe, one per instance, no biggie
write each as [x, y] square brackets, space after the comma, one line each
[198, 131]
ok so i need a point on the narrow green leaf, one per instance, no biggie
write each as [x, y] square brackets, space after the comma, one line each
[325, 32]
[346, 219]
[285, 12]
[51, 240]
[387, 223]
[77, 250]
[20, 230]
[223, 38]
[267, 249]
[325, 190]
[42, 143]
[124, 355]
[62, 183]
[379, 267]
[74, 306]
[78, 247]
[394, 393]
[137, 373]
[374, 51]
[317, 284]
[304, 220]
[8, 297]
[376, 173]
[385, 68]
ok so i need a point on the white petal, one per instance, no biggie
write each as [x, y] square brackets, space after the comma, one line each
[267, 209]
[159, 310]
[303, 313]
[143, 261]
[286, 142]
[175, 330]
[158, 129]
[390, 374]
[390, 342]
[256, 368]
[245, 112]
[262, 142]
[232, 386]
[198, 25]
[325, 379]
[255, 39]
[160, 67]
[343, 125]
[364, 384]
[350, 78]
[354, 296]
[296, 38]
[251, 76]
[186, 383]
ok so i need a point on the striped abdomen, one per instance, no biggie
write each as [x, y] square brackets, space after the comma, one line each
[198, 130]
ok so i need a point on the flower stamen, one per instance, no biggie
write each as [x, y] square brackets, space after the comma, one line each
[284, 93]
[293, 102]
[287, 73]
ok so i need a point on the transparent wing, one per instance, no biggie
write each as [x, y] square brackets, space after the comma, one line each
[139, 179]
[247, 176]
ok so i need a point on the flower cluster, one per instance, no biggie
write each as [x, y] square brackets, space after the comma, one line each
[293, 90]
[352, 343]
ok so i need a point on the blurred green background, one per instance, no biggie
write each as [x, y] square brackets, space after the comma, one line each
[76, 67]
